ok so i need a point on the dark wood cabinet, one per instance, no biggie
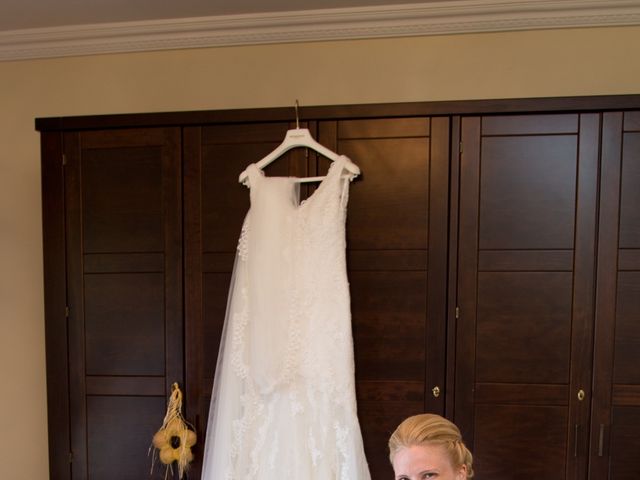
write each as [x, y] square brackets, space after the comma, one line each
[615, 422]
[528, 191]
[493, 254]
[548, 332]
[124, 294]
[397, 241]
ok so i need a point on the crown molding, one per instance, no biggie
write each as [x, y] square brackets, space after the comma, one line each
[418, 19]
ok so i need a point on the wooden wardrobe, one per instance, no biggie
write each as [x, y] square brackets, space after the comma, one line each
[493, 257]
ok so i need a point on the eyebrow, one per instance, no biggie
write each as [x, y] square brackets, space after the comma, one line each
[428, 470]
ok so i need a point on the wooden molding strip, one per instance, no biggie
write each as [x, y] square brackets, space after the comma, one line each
[607, 103]
[434, 18]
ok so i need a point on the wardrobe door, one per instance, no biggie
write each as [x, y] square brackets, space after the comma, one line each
[215, 207]
[405, 169]
[396, 254]
[55, 305]
[616, 409]
[124, 269]
[527, 223]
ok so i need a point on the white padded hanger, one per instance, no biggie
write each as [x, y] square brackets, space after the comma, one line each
[301, 137]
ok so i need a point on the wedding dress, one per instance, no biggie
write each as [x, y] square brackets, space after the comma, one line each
[283, 404]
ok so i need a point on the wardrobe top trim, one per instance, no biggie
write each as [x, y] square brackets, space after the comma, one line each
[338, 112]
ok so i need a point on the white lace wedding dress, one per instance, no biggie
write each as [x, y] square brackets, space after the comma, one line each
[283, 404]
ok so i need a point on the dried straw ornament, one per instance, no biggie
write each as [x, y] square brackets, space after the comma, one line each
[173, 441]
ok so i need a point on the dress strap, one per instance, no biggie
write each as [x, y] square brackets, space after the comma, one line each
[253, 172]
[345, 176]
[344, 163]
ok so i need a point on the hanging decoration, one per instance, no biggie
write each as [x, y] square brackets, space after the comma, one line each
[173, 441]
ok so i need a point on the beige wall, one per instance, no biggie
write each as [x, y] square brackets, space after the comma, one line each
[526, 64]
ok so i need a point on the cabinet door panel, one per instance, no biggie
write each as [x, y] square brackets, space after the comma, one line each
[124, 324]
[523, 327]
[397, 214]
[510, 430]
[122, 199]
[616, 408]
[396, 173]
[624, 441]
[630, 191]
[397, 250]
[388, 323]
[124, 264]
[528, 189]
[627, 331]
[118, 429]
[530, 124]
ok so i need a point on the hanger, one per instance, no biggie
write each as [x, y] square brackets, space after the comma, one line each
[301, 137]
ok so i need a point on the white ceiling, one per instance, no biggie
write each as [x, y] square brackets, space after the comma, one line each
[23, 14]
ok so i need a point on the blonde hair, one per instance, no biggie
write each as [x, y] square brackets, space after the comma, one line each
[432, 429]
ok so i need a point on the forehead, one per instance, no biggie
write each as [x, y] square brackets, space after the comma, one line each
[417, 458]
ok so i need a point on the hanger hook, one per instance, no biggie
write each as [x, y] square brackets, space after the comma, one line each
[297, 118]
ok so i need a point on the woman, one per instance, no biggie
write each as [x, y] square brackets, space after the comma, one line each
[428, 446]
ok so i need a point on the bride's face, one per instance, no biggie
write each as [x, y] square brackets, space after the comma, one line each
[426, 462]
